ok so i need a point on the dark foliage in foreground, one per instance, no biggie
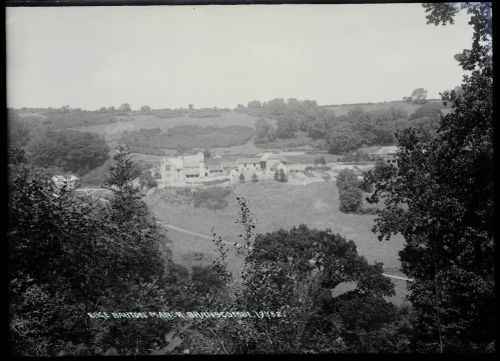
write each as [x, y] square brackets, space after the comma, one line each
[440, 199]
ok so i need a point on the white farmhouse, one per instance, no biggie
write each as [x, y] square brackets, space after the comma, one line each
[269, 161]
[388, 154]
[248, 164]
[179, 169]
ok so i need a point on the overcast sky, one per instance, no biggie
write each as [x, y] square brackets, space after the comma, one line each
[172, 56]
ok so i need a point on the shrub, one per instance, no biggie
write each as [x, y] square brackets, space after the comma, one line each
[216, 181]
[366, 187]
[242, 178]
[147, 180]
[280, 176]
[255, 179]
[355, 157]
[320, 160]
[350, 200]
[211, 198]
[347, 179]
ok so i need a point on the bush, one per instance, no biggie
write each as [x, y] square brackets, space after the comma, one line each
[280, 176]
[242, 178]
[216, 181]
[255, 179]
[211, 198]
[147, 180]
[70, 150]
[320, 160]
[347, 179]
[355, 157]
[350, 200]
[366, 187]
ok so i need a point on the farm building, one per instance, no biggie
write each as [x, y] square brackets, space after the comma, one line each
[177, 169]
[388, 154]
[271, 160]
[247, 164]
[215, 167]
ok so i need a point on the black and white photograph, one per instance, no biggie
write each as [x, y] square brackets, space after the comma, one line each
[249, 178]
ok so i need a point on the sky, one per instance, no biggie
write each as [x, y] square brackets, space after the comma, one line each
[173, 56]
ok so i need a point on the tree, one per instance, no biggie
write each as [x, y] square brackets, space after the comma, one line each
[440, 199]
[206, 154]
[280, 175]
[286, 127]
[419, 95]
[350, 199]
[255, 179]
[293, 272]
[346, 178]
[264, 131]
[70, 256]
[276, 107]
[146, 179]
[146, 109]
[126, 196]
[125, 108]
[242, 178]
[68, 150]
[254, 104]
[320, 160]
[339, 143]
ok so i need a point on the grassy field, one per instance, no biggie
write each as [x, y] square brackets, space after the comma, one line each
[151, 122]
[273, 206]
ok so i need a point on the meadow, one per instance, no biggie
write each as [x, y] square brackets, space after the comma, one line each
[273, 206]
[152, 121]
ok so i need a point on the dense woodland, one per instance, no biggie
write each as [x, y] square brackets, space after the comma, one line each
[70, 255]
[339, 134]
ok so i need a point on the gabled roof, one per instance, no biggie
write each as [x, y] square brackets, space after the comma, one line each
[191, 163]
[391, 149]
[191, 171]
[176, 162]
[277, 165]
[214, 161]
[268, 156]
[214, 164]
[229, 163]
[248, 160]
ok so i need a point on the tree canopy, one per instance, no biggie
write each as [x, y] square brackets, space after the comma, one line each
[440, 198]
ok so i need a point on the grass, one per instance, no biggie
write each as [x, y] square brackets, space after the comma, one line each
[151, 121]
[300, 141]
[153, 141]
[275, 205]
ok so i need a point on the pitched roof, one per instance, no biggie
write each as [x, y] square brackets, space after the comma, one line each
[214, 161]
[269, 156]
[176, 162]
[229, 163]
[214, 164]
[191, 163]
[191, 171]
[248, 160]
[391, 149]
